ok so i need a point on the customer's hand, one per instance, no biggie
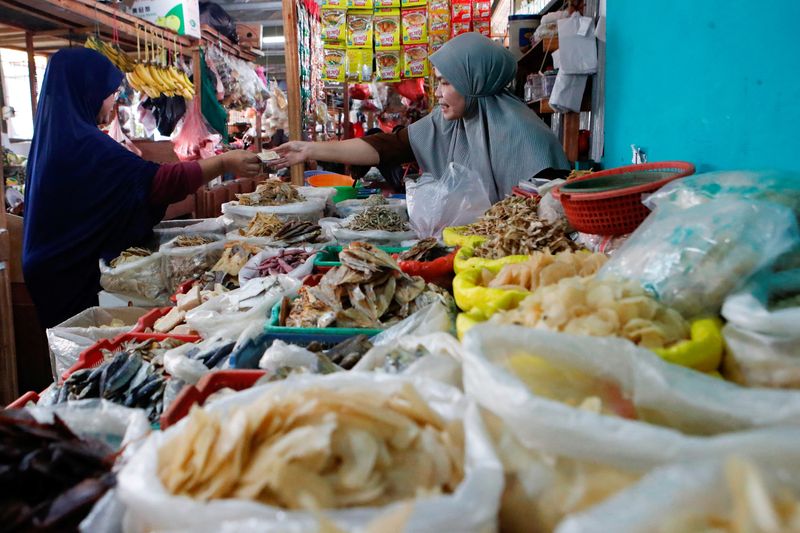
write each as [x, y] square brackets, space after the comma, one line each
[292, 153]
[242, 163]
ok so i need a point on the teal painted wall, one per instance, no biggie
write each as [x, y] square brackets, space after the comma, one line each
[714, 83]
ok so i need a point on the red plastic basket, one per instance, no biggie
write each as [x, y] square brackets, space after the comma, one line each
[206, 386]
[93, 356]
[148, 321]
[618, 211]
[439, 271]
[183, 288]
[23, 400]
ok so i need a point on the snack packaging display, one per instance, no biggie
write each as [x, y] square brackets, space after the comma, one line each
[484, 27]
[333, 26]
[415, 61]
[334, 4]
[439, 23]
[335, 60]
[359, 64]
[437, 41]
[359, 29]
[386, 4]
[460, 27]
[359, 4]
[387, 28]
[388, 65]
[482, 10]
[415, 26]
[413, 3]
[462, 11]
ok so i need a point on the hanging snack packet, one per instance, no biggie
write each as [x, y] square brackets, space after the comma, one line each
[359, 29]
[387, 65]
[413, 3]
[415, 61]
[461, 27]
[333, 4]
[484, 27]
[359, 4]
[415, 26]
[436, 42]
[482, 10]
[334, 68]
[439, 20]
[386, 4]
[333, 25]
[387, 28]
[462, 12]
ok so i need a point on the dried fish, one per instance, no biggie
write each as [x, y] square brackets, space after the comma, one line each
[262, 225]
[51, 477]
[377, 219]
[504, 212]
[375, 199]
[226, 271]
[296, 232]
[534, 236]
[283, 263]
[425, 250]
[185, 241]
[129, 255]
[367, 290]
[271, 193]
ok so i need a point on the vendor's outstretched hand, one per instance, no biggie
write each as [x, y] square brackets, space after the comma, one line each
[242, 163]
[292, 153]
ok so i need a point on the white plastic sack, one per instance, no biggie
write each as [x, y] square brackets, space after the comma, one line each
[568, 92]
[758, 360]
[347, 208]
[696, 489]
[167, 230]
[143, 277]
[748, 309]
[250, 269]
[678, 396]
[190, 262]
[68, 339]
[691, 259]
[268, 242]
[284, 355]
[344, 236]
[311, 210]
[549, 208]
[472, 507]
[455, 199]
[230, 314]
[577, 45]
[435, 318]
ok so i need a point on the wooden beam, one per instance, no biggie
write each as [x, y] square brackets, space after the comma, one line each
[197, 73]
[293, 80]
[572, 124]
[31, 72]
[8, 357]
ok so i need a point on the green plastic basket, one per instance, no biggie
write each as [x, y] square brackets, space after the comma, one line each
[321, 333]
[328, 257]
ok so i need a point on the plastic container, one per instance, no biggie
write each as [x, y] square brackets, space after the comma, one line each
[603, 203]
[148, 321]
[183, 288]
[520, 33]
[249, 354]
[94, 356]
[342, 184]
[209, 384]
[298, 335]
[23, 400]
[328, 257]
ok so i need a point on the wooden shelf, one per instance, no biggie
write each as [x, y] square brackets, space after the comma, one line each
[212, 37]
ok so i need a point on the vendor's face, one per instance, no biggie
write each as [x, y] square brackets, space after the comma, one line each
[104, 116]
[453, 105]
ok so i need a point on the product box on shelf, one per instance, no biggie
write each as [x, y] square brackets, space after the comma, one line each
[180, 16]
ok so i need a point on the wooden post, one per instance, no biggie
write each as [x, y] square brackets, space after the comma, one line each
[258, 132]
[572, 124]
[31, 71]
[346, 112]
[8, 356]
[197, 72]
[293, 80]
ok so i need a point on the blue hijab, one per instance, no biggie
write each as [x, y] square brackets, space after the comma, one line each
[86, 196]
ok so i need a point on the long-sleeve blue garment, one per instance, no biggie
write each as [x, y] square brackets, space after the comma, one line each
[86, 196]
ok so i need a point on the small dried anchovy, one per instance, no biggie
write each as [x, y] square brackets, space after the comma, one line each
[525, 239]
[262, 225]
[375, 199]
[131, 254]
[503, 213]
[185, 241]
[377, 219]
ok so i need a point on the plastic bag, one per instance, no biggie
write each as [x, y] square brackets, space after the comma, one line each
[195, 140]
[229, 315]
[454, 236]
[472, 507]
[455, 199]
[577, 45]
[464, 260]
[143, 277]
[775, 186]
[689, 496]
[68, 339]
[250, 270]
[484, 301]
[749, 308]
[116, 133]
[550, 209]
[344, 236]
[179, 365]
[435, 318]
[182, 263]
[568, 92]
[439, 271]
[346, 208]
[757, 360]
[311, 210]
[604, 244]
[167, 230]
[692, 259]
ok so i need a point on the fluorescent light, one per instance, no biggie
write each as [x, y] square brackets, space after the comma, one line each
[275, 39]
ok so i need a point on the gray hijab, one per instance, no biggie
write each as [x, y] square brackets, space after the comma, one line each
[499, 137]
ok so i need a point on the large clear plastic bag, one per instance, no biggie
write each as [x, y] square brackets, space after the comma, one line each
[691, 259]
[195, 139]
[167, 230]
[346, 208]
[455, 199]
[344, 236]
[143, 277]
[750, 307]
[68, 339]
[560, 459]
[182, 263]
[776, 186]
[471, 508]
[311, 210]
[695, 495]
[760, 360]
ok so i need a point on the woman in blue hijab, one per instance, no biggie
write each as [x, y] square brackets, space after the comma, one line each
[87, 196]
[478, 124]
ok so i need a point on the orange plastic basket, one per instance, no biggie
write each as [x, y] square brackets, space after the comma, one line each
[620, 210]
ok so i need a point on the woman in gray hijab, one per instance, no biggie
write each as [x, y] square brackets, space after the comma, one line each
[478, 124]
